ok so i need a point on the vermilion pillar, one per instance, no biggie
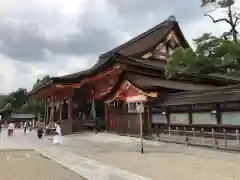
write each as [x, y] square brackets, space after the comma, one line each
[106, 115]
[69, 108]
[149, 119]
[46, 111]
[60, 110]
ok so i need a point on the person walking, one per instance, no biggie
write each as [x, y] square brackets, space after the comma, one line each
[40, 130]
[25, 127]
[30, 126]
[58, 134]
[11, 129]
[40, 133]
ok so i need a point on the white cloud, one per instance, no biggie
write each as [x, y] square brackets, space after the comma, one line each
[7, 72]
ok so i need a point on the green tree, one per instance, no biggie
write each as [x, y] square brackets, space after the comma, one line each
[33, 107]
[212, 55]
[2, 100]
[19, 101]
[16, 98]
[41, 82]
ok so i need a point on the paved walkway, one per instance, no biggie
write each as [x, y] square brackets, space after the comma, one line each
[29, 165]
[111, 157]
[89, 169]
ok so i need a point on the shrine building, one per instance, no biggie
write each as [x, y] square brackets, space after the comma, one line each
[122, 77]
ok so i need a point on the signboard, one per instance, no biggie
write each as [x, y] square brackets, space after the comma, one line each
[140, 108]
[138, 98]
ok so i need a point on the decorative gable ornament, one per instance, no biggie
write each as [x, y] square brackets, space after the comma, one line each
[147, 55]
[172, 18]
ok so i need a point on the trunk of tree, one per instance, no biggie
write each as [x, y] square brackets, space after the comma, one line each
[233, 24]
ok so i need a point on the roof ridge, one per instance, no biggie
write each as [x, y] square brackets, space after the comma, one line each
[140, 36]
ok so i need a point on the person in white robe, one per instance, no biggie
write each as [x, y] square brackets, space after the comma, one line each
[58, 135]
[11, 128]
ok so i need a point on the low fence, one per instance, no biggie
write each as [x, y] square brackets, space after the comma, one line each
[222, 138]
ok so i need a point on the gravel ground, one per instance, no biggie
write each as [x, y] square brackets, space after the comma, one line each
[160, 162]
[29, 165]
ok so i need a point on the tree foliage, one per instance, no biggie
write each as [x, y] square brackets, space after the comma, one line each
[17, 98]
[19, 101]
[41, 82]
[2, 100]
[212, 55]
[33, 107]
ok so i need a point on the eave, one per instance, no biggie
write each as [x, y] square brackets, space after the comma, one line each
[208, 96]
[47, 85]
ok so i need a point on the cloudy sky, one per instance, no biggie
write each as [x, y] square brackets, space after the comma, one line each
[57, 37]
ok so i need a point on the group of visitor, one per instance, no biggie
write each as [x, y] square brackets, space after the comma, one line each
[40, 131]
[57, 133]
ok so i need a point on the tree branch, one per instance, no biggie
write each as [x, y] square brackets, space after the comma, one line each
[236, 21]
[236, 14]
[217, 20]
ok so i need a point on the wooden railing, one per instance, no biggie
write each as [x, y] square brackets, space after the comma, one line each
[222, 138]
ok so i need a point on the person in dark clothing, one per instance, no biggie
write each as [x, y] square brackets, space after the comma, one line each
[40, 133]
[25, 127]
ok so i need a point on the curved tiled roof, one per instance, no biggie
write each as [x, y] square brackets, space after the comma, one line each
[140, 45]
[149, 38]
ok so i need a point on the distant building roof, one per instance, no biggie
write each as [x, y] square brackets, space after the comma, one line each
[22, 116]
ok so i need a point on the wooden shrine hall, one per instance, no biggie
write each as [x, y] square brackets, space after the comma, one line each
[215, 109]
[124, 76]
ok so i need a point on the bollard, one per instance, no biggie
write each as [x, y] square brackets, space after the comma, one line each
[213, 138]
[202, 136]
[158, 133]
[186, 138]
[225, 137]
[193, 132]
[177, 131]
[237, 136]
[169, 131]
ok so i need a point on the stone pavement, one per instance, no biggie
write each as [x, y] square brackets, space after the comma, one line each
[29, 165]
[89, 169]
[112, 157]
[161, 161]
